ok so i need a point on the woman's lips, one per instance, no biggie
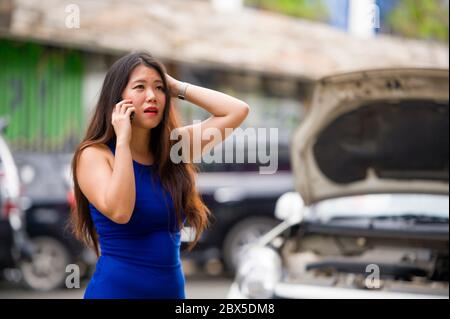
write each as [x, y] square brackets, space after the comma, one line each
[151, 111]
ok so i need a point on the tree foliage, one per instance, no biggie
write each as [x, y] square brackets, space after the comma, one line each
[427, 19]
[308, 9]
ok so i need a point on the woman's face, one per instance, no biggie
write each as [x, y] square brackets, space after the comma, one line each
[146, 91]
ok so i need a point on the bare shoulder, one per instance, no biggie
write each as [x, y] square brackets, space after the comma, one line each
[94, 173]
[98, 153]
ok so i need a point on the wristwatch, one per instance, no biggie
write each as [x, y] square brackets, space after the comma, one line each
[182, 90]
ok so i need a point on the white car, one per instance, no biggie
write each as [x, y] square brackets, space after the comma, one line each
[369, 218]
[14, 245]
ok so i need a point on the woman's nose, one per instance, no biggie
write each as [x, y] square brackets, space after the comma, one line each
[150, 94]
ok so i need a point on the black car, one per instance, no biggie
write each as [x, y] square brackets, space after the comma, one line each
[242, 202]
[47, 190]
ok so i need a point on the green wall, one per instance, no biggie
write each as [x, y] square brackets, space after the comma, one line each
[41, 94]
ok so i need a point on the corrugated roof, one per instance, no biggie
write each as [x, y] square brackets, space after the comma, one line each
[193, 32]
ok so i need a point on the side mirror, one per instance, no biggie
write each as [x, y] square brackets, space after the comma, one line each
[290, 208]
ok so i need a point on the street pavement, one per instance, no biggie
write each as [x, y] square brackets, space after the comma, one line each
[197, 287]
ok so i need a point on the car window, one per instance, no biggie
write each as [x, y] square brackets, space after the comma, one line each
[44, 176]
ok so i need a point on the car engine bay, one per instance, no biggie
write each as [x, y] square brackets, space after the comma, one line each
[396, 262]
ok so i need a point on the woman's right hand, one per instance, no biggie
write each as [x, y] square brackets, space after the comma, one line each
[121, 120]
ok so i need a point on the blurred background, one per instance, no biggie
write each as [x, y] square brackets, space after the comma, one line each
[54, 55]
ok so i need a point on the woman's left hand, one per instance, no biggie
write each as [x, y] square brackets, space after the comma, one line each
[173, 85]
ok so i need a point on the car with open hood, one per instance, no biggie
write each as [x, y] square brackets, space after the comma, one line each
[369, 215]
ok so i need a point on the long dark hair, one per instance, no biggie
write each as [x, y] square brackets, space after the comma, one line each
[178, 179]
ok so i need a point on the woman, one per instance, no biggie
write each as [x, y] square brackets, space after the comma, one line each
[132, 199]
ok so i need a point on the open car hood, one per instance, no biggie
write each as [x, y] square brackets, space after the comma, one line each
[376, 131]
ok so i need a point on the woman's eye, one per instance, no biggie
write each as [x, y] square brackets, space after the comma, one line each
[139, 87]
[161, 88]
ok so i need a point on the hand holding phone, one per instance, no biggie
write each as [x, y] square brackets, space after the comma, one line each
[122, 113]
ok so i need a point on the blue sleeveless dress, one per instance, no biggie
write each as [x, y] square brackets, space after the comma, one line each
[140, 259]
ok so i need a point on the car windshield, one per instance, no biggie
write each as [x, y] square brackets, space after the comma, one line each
[384, 205]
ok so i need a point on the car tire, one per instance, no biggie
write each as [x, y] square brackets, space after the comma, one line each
[242, 233]
[47, 269]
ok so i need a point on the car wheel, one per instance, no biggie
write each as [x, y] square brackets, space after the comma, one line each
[241, 234]
[47, 268]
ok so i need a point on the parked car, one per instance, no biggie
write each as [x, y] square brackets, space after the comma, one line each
[241, 201]
[369, 218]
[47, 188]
[13, 242]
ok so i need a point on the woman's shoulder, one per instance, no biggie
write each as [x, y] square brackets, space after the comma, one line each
[97, 151]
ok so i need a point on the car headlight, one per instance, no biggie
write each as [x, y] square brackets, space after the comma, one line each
[259, 272]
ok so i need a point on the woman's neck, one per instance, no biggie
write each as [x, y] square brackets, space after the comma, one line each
[140, 140]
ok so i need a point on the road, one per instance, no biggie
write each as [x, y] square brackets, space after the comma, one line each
[197, 287]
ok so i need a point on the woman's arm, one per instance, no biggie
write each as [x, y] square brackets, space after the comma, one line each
[111, 189]
[227, 112]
